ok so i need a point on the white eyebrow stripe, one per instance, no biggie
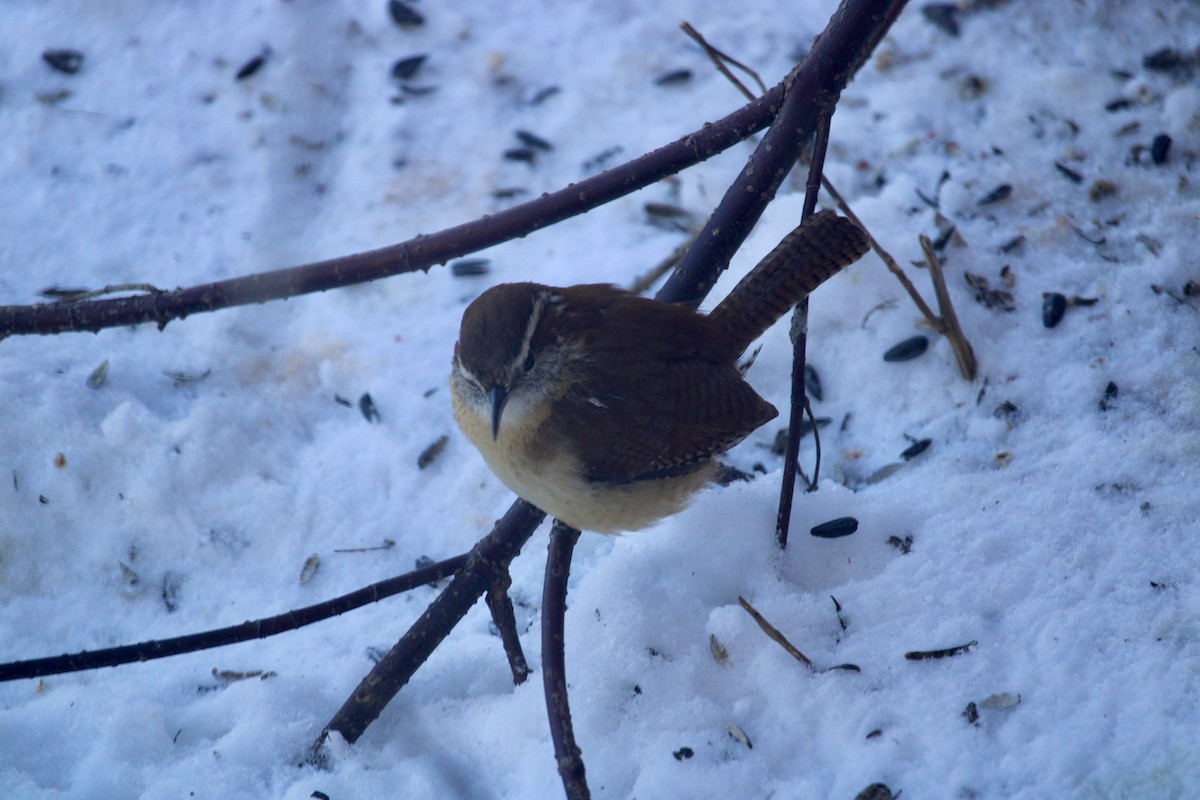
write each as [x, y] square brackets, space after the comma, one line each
[535, 317]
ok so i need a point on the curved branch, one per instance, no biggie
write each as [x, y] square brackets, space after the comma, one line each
[255, 629]
[554, 663]
[419, 253]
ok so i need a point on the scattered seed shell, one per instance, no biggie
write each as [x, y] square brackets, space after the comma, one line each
[533, 140]
[311, 565]
[429, 454]
[915, 449]
[903, 545]
[683, 753]
[172, 585]
[470, 267]
[1100, 189]
[65, 61]
[1068, 173]
[876, 791]
[408, 67]
[1054, 306]
[948, 652]
[971, 713]
[835, 528]
[524, 154]
[1001, 192]
[99, 376]
[884, 472]
[543, 94]
[719, 653]
[366, 405]
[908, 349]
[1159, 148]
[251, 67]
[739, 735]
[666, 210]
[1110, 396]
[1001, 701]
[674, 77]
[943, 16]
[812, 383]
[404, 15]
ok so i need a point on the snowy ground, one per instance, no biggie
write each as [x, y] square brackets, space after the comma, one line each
[1060, 535]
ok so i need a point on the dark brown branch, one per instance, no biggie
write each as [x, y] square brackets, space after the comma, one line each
[419, 253]
[256, 629]
[488, 560]
[500, 604]
[787, 487]
[554, 670]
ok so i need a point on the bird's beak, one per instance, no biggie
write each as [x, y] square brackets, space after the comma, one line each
[498, 396]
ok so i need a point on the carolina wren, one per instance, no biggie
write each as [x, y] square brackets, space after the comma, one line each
[607, 409]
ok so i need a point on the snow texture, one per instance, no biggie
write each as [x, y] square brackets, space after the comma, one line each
[187, 492]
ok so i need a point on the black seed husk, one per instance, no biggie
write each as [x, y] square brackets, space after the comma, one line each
[533, 140]
[1001, 192]
[366, 405]
[1110, 395]
[915, 449]
[404, 15]
[943, 16]
[406, 68]
[1068, 173]
[1054, 306]
[469, 267]
[68, 62]
[907, 350]
[1159, 148]
[251, 67]
[835, 528]
[674, 77]
[812, 382]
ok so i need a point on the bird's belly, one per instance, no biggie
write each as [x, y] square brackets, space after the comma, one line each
[548, 475]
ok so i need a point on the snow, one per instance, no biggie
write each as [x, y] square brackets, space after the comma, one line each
[1061, 538]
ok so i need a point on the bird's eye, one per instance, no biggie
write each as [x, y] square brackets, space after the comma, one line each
[528, 365]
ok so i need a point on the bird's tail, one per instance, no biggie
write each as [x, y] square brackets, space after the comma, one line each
[806, 258]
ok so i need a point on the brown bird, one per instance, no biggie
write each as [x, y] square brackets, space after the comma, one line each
[606, 409]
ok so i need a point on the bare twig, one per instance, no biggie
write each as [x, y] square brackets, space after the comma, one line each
[787, 487]
[247, 631]
[486, 562]
[856, 27]
[953, 330]
[886, 257]
[500, 604]
[554, 671]
[773, 633]
[720, 59]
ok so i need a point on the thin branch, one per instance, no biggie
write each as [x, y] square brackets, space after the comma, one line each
[487, 560]
[810, 90]
[773, 633]
[500, 604]
[953, 330]
[886, 257]
[247, 631]
[787, 487]
[720, 59]
[554, 671]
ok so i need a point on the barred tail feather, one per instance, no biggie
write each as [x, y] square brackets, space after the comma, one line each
[806, 258]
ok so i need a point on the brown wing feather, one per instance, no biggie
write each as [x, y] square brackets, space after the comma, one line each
[672, 403]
